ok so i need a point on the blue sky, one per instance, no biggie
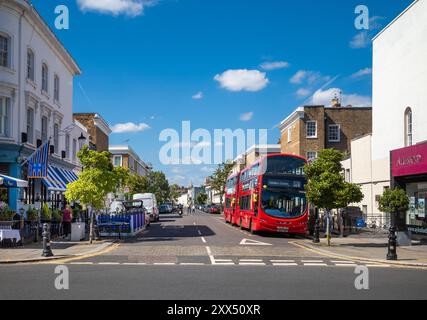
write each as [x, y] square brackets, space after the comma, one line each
[148, 65]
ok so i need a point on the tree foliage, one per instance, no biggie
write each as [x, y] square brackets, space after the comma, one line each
[218, 180]
[97, 179]
[202, 198]
[159, 185]
[326, 187]
[137, 184]
[394, 201]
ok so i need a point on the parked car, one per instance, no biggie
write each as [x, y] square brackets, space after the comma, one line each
[165, 208]
[214, 209]
[150, 204]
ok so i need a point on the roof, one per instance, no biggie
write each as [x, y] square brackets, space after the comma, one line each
[28, 7]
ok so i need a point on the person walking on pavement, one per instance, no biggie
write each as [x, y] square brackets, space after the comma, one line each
[67, 217]
[194, 209]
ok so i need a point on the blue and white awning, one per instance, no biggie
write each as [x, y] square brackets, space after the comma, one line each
[58, 178]
[10, 182]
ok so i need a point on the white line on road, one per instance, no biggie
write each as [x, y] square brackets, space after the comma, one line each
[109, 263]
[211, 257]
[164, 263]
[250, 260]
[315, 264]
[82, 263]
[134, 264]
[223, 260]
[282, 261]
[252, 263]
[192, 264]
[339, 261]
[345, 265]
[285, 264]
[204, 240]
[312, 261]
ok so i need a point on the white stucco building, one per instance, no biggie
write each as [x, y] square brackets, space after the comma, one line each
[36, 95]
[396, 154]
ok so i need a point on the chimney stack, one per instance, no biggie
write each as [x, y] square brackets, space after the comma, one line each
[336, 102]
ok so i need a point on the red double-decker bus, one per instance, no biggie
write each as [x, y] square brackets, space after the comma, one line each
[231, 195]
[270, 196]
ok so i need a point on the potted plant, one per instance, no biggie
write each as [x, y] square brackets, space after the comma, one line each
[32, 214]
[56, 215]
[5, 213]
[45, 213]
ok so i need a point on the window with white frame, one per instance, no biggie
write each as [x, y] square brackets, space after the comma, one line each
[334, 133]
[30, 65]
[408, 127]
[44, 129]
[30, 125]
[56, 88]
[67, 146]
[4, 116]
[311, 129]
[289, 134]
[311, 156]
[56, 137]
[45, 75]
[117, 161]
[4, 51]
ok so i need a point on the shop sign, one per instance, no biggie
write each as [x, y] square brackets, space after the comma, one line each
[409, 161]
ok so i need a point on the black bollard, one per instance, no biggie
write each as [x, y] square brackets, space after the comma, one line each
[47, 251]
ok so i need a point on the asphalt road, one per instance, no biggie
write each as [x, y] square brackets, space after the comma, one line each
[200, 257]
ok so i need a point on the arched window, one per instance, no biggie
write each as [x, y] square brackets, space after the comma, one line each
[408, 127]
[4, 51]
[30, 64]
[45, 72]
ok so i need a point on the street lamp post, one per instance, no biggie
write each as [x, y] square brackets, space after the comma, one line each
[392, 240]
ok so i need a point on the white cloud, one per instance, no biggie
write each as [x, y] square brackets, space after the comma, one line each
[324, 97]
[298, 77]
[360, 40]
[274, 65]
[198, 95]
[130, 127]
[303, 92]
[361, 73]
[131, 8]
[246, 116]
[242, 80]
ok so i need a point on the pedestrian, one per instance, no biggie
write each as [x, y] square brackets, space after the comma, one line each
[67, 217]
[194, 208]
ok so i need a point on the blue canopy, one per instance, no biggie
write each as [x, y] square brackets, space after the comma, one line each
[10, 182]
[58, 178]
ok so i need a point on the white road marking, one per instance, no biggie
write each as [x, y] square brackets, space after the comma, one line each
[223, 260]
[250, 260]
[312, 261]
[211, 257]
[192, 264]
[250, 242]
[134, 264]
[223, 264]
[109, 263]
[282, 264]
[252, 263]
[164, 263]
[81, 263]
[204, 240]
[282, 261]
[345, 265]
[339, 261]
[315, 264]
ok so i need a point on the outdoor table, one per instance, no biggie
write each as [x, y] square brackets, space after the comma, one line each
[10, 234]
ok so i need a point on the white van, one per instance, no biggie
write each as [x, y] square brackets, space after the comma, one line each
[150, 203]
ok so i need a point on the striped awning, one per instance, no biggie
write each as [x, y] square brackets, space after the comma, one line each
[67, 175]
[11, 182]
[53, 181]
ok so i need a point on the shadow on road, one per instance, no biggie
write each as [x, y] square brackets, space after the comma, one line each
[159, 232]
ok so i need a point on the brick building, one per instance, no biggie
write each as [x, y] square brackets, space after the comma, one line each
[310, 129]
[98, 129]
[126, 157]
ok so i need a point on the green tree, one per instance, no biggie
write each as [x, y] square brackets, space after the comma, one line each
[202, 198]
[394, 201]
[159, 185]
[218, 180]
[174, 192]
[326, 187]
[138, 184]
[97, 179]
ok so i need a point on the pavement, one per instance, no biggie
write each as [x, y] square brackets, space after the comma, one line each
[199, 256]
[369, 249]
[62, 251]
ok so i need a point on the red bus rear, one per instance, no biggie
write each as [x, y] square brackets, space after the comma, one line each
[271, 195]
[231, 198]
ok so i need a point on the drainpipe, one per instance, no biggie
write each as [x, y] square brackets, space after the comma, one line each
[20, 89]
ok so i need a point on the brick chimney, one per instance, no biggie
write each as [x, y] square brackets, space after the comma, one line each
[336, 102]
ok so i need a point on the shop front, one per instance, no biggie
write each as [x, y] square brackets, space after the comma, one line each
[409, 171]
